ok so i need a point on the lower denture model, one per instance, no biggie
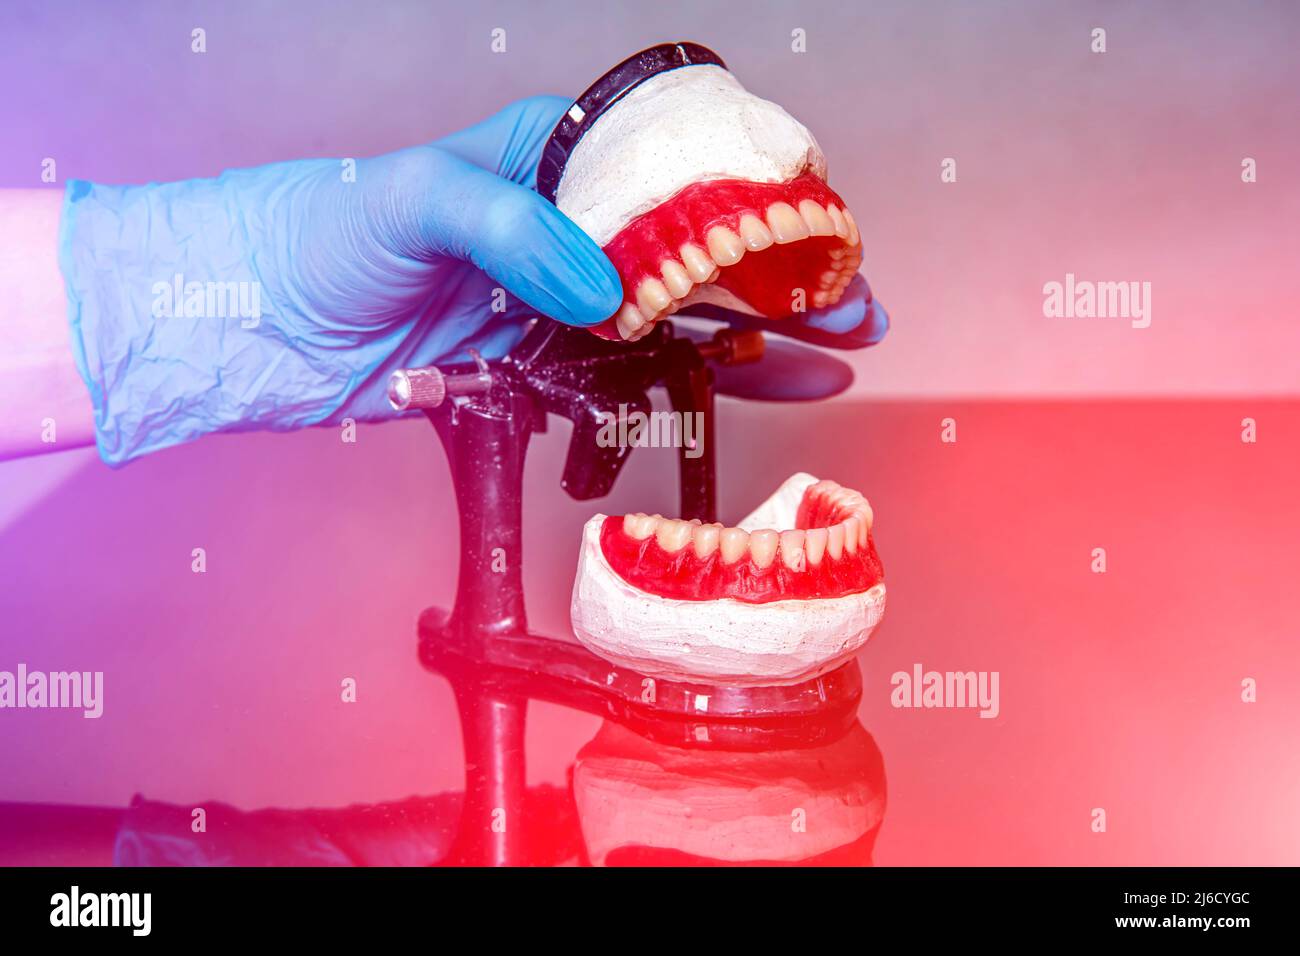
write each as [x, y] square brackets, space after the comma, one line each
[791, 593]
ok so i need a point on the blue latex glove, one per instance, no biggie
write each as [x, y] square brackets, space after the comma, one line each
[284, 296]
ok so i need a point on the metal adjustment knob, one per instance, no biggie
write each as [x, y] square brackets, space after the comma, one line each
[428, 387]
[416, 388]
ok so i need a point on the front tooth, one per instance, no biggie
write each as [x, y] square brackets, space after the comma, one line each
[853, 236]
[762, 547]
[816, 218]
[629, 320]
[786, 224]
[835, 541]
[850, 526]
[698, 264]
[792, 550]
[724, 246]
[733, 543]
[864, 527]
[639, 526]
[814, 545]
[754, 234]
[867, 517]
[676, 278]
[837, 219]
[652, 297]
[705, 540]
[673, 535]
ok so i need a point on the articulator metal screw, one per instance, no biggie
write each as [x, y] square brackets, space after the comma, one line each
[428, 387]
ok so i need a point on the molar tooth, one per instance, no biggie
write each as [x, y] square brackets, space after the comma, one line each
[837, 219]
[724, 246]
[835, 541]
[853, 237]
[734, 543]
[705, 540]
[850, 526]
[816, 218]
[629, 320]
[676, 278]
[814, 545]
[754, 233]
[792, 550]
[762, 547]
[639, 526]
[673, 535]
[786, 224]
[652, 297]
[698, 264]
[820, 299]
[829, 276]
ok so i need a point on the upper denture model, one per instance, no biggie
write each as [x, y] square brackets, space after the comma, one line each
[701, 192]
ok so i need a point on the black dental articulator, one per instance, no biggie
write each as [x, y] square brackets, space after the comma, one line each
[485, 413]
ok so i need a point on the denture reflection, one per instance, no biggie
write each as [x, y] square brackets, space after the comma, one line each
[646, 803]
[791, 593]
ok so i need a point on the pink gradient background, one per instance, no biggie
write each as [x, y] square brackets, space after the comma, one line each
[1118, 690]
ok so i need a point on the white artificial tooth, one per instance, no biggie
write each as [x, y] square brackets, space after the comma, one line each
[762, 547]
[733, 543]
[821, 299]
[724, 246]
[698, 264]
[753, 233]
[652, 297]
[814, 545]
[792, 550]
[829, 276]
[816, 218]
[786, 224]
[867, 515]
[835, 541]
[705, 540]
[837, 253]
[629, 320]
[676, 278]
[639, 526]
[864, 528]
[837, 219]
[853, 236]
[673, 535]
[850, 526]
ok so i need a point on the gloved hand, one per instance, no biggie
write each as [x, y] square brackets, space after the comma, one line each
[285, 295]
